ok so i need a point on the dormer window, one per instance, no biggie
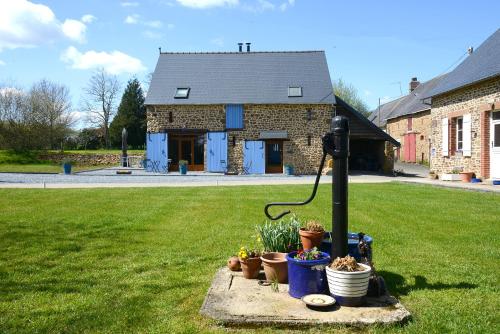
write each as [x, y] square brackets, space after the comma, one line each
[182, 93]
[294, 91]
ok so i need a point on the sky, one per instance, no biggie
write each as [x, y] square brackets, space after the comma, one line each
[377, 46]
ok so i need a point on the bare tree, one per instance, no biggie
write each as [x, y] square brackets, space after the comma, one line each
[51, 107]
[100, 102]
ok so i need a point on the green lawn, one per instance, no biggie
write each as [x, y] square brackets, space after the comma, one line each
[141, 260]
[28, 162]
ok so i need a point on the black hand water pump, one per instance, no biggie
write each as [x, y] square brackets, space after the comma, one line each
[335, 143]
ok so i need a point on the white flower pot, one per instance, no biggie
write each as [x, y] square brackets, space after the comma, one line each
[348, 288]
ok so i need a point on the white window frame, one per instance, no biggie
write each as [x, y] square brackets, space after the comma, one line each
[459, 143]
[178, 95]
[294, 91]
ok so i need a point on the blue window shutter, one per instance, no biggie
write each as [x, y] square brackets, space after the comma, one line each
[234, 116]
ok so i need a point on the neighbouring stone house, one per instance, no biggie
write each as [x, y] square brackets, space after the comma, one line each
[465, 115]
[244, 112]
[408, 120]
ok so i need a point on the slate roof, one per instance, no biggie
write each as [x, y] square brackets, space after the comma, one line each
[241, 77]
[363, 125]
[482, 64]
[408, 104]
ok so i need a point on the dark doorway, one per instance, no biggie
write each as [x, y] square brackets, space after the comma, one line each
[274, 156]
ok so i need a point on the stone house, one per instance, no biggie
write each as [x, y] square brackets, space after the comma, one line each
[465, 115]
[243, 112]
[408, 120]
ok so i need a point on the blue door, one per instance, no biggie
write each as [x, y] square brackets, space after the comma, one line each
[217, 151]
[157, 152]
[253, 157]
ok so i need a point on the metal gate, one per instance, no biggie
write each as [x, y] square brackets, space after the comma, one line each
[157, 152]
[254, 157]
[217, 152]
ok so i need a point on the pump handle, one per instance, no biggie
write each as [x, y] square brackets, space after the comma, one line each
[266, 209]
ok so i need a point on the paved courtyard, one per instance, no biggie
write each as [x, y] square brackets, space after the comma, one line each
[106, 178]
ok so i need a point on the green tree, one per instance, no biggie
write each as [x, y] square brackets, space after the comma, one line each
[349, 94]
[131, 115]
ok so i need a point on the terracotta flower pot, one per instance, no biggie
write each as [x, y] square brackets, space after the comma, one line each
[466, 176]
[251, 267]
[310, 239]
[275, 267]
[233, 263]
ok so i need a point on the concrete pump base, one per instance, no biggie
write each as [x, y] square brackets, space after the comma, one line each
[233, 300]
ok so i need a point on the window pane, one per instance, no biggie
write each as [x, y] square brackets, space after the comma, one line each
[294, 91]
[496, 135]
[199, 150]
[186, 150]
[495, 115]
[181, 93]
[173, 150]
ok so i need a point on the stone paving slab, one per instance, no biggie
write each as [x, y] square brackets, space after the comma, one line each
[235, 301]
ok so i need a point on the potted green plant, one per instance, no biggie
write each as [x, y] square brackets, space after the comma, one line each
[348, 281]
[306, 272]
[183, 167]
[312, 235]
[278, 238]
[250, 262]
[288, 169]
[66, 163]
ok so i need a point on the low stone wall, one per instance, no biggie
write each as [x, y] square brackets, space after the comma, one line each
[83, 159]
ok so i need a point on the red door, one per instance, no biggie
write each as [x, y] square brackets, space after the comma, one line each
[410, 152]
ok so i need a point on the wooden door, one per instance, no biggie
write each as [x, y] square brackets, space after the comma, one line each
[189, 148]
[274, 156]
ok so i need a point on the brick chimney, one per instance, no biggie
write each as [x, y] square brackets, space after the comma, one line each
[413, 84]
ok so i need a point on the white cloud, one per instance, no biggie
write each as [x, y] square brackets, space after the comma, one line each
[129, 4]
[114, 62]
[202, 4]
[219, 41]
[75, 30]
[170, 26]
[132, 19]
[2, 63]
[153, 24]
[88, 18]
[24, 24]
[285, 5]
[152, 35]
[368, 92]
[266, 5]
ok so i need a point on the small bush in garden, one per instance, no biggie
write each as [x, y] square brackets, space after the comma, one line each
[314, 226]
[347, 263]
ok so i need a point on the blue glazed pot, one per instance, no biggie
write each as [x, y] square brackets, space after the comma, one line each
[67, 168]
[352, 244]
[183, 169]
[288, 170]
[306, 277]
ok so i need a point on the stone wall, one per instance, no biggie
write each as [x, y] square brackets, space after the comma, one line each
[421, 126]
[82, 159]
[270, 117]
[478, 100]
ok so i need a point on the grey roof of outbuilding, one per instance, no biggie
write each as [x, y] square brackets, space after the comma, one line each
[482, 64]
[241, 77]
[406, 105]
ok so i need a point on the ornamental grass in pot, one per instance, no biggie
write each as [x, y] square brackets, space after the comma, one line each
[250, 262]
[312, 235]
[278, 238]
[348, 281]
[306, 272]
